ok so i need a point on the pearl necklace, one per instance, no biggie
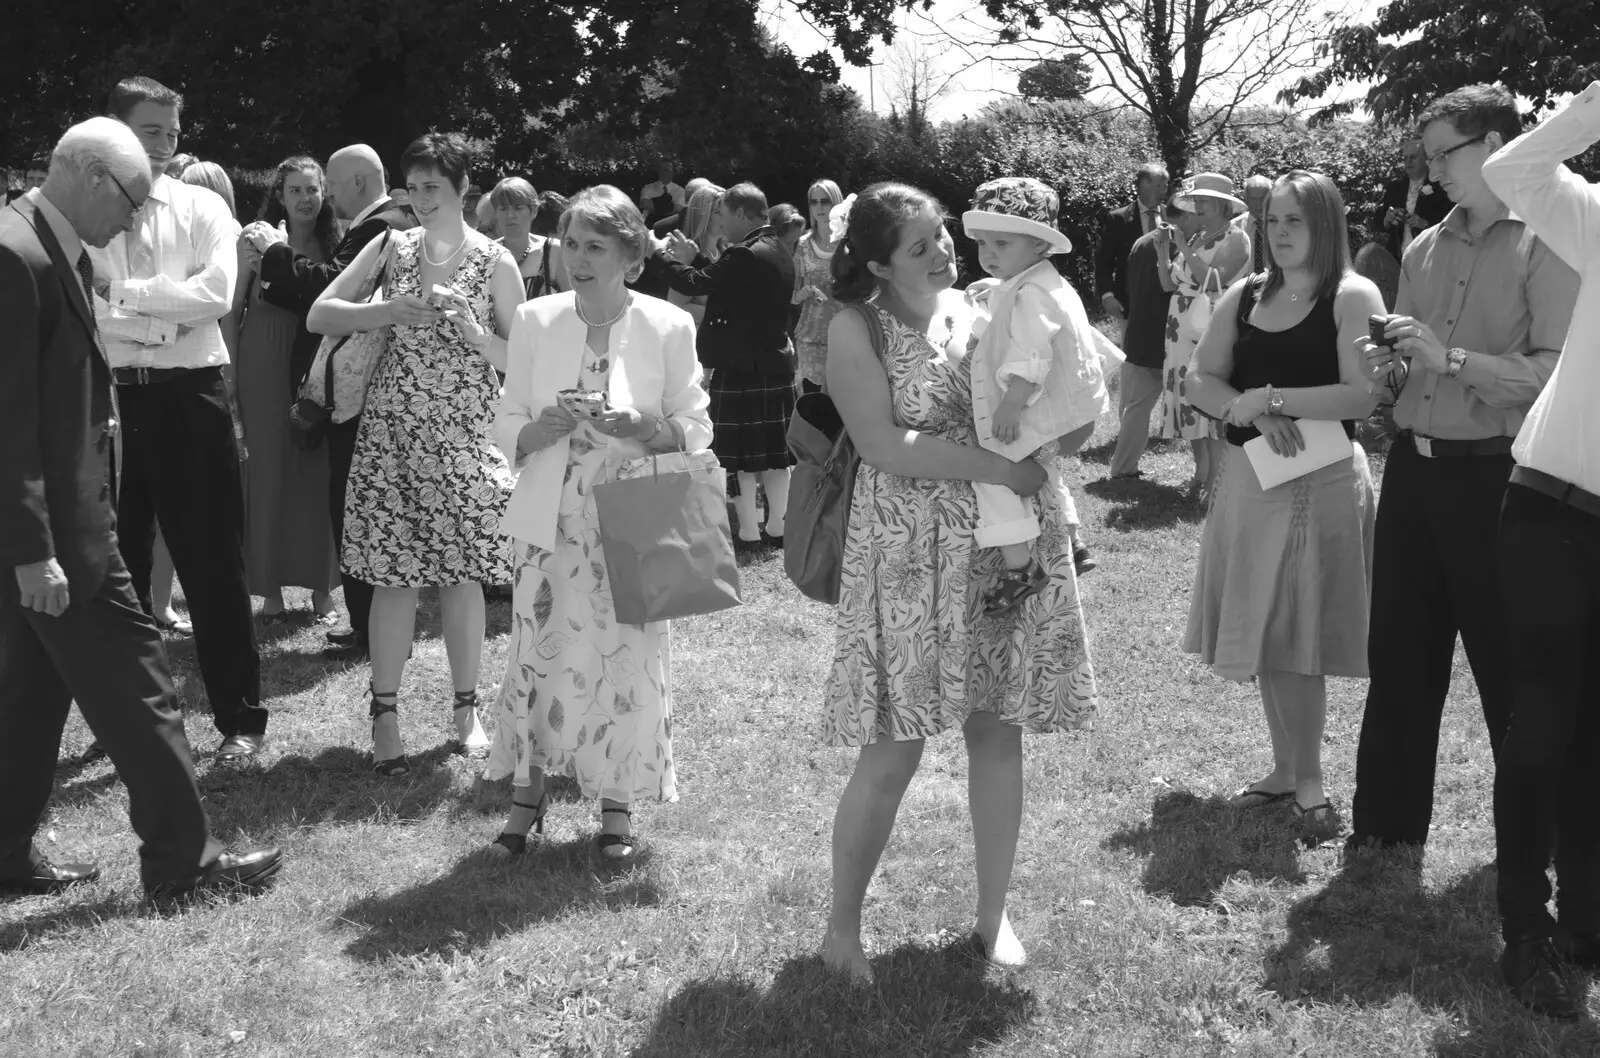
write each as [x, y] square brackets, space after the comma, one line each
[577, 303]
[440, 264]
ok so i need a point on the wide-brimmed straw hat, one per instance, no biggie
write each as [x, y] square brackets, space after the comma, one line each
[1017, 204]
[1208, 185]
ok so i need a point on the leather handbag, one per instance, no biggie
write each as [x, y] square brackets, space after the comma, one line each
[319, 404]
[821, 487]
[309, 418]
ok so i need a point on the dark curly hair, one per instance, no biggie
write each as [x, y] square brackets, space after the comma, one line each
[872, 234]
[274, 213]
[447, 152]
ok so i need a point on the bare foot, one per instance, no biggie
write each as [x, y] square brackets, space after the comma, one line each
[386, 743]
[842, 953]
[1003, 948]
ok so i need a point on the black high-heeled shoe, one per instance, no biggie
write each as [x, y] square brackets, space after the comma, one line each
[468, 700]
[604, 843]
[394, 766]
[517, 844]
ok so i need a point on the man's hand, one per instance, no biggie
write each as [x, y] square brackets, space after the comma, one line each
[44, 587]
[1416, 339]
[681, 248]
[1109, 302]
[262, 236]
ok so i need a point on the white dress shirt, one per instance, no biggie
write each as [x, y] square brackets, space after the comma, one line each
[1561, 435]
[171, 281]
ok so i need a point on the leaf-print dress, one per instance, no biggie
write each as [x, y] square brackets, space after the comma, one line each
[584, 695]
[1178, 417]
[914, 654]
[427, 484]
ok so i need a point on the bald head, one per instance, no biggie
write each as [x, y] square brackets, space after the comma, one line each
[99, 179]
[355, 180]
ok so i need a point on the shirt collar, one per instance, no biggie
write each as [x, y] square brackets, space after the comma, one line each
[369, 211]
[1455, 222]
[161, 190]
[60, 226]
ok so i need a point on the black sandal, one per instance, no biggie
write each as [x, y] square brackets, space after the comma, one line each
[604, 842]
[1254, 798]
[1013, 587]
[394, 766]
[468, 700]
[1318, 823]
[517, 844]
[1082, 560]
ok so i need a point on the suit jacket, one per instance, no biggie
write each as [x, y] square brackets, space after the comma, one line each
[1118, 232]
[292, 280]
[1432, 205]
[653, 369]
[57, 431]
[746, 324]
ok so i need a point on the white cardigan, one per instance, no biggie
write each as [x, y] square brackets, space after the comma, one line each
[653, 369]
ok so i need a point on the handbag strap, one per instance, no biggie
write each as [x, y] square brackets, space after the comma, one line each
[385, 251]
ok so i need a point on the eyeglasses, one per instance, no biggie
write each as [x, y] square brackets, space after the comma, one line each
[1440, 157]
[135, 209]
[820, 201]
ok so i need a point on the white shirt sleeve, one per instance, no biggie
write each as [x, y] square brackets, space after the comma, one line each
[1561, 207]
[1028, 353]
[207, 294]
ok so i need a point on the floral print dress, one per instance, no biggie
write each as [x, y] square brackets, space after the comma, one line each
[1178, 417]
[584, 695]
[914, 654]
[427, 483]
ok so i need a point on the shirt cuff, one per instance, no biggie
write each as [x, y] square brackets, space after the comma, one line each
[123, 296]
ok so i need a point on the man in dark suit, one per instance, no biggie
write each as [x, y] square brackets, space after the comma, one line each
[1144, 343]
[71, 626]
[1121, 229]
[293, 281]
[744, 338]
[1411, 202]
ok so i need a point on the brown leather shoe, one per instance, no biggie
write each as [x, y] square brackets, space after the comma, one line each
[232, 872]
[1538, 978]
[47, 877]
[236, 748]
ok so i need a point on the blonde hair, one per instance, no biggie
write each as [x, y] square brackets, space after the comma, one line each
[609, 211]
[827, 187]
[699, 215]
[213, 176]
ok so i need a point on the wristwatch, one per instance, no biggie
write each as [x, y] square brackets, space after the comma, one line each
[1454, 361]
[1274, 400]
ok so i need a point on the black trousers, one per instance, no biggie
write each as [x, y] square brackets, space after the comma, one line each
[341, 451]
[106, 653]
[1433, 575]
[1543, 796]
[180, 465]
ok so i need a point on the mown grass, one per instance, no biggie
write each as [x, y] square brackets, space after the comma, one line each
[1159, 921]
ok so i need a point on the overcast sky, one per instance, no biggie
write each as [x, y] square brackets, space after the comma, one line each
[971, 86]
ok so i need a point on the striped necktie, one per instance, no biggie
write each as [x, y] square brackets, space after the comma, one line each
[86, 273]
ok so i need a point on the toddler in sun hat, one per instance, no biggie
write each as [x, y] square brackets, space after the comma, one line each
[1038, 369]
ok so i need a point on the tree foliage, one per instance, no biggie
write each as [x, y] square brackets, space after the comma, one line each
[1416, 50]
[1053, 80]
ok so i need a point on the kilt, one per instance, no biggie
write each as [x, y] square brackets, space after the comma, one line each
[750, 419]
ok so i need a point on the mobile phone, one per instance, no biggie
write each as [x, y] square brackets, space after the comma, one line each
[1375, 327]
[439, 296]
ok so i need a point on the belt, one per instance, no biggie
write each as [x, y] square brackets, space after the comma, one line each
[146, 376]
[1556, 489]
[1439, 448]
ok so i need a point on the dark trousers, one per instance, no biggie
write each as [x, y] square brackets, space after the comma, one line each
[180, 465]
[1433, 575]
[341, 451]
[105, 652]
[1543, 796]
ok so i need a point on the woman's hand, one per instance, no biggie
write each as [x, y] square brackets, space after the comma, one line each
[249, 256]
[815, 293]
[622, 422]
[408, 310]
[554, 423]
[1247, 407]
[1027, 476]
[1282, 435]
[458, 310]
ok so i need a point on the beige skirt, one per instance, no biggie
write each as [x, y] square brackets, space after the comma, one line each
[1285, 575]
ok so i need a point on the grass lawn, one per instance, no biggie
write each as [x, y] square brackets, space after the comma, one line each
[1158, 920]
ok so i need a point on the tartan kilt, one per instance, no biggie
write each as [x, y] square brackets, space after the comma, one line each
[750, 419]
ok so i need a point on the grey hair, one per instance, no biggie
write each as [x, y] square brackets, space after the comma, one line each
[101, 141]
[1257, 182]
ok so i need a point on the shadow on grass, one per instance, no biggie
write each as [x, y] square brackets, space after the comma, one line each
[483, 899]
[1193, 845]
[927, 1001]
[1137, 504]
[55, 918]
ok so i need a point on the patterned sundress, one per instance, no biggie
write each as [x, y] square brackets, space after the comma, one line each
[914, 654]
[1178, 417]
[428, 485]
[584, 695]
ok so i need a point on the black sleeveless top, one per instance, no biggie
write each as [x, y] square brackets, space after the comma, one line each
[1306, 354]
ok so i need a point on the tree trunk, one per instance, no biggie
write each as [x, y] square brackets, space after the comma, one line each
[1172, 131]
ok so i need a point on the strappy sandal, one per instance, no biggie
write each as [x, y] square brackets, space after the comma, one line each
[1253, 798]
[1318, 823]
[1013, 587]
[604, 843]
[394, 766]
[468, 700]
[517, 844]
